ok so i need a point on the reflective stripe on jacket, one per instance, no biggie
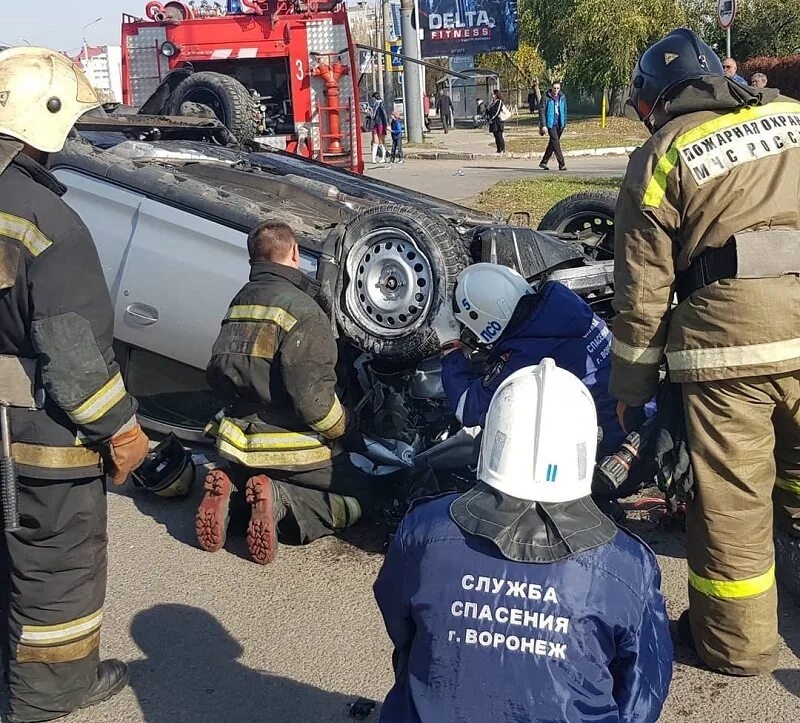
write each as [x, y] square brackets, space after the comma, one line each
[698, 181]
[55, 311]
[274, 363]
[479, 637]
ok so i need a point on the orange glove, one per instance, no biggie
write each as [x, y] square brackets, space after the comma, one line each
[128, 450]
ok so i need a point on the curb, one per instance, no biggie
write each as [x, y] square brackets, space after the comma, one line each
[444, 155]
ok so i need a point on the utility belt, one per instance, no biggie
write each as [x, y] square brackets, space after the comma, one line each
[765, 254]
[18, 391]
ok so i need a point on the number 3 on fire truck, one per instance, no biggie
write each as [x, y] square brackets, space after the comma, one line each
[300, 72]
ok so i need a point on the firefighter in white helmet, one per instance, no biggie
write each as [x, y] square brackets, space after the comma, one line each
[519, 326]
[523, 579]
[72, 421]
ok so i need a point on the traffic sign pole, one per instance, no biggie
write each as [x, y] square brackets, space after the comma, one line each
[728, 42]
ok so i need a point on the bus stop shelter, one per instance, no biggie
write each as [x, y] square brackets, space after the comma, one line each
[465, 93]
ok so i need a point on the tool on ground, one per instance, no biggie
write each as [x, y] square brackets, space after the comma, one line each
[8, 474]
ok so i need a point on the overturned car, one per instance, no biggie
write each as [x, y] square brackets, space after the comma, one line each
[170, 202]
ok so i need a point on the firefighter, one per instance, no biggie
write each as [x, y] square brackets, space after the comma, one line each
[284, 427]
[523, 579]
[521, 327]
[71, 417]
[708, 211]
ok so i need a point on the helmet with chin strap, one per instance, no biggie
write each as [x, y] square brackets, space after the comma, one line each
[678, 57]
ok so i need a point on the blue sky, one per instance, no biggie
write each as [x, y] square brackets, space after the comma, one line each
[59, 24]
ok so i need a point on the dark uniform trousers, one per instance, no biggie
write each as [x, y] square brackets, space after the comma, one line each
[321, 497]
[54, 581]
[745, 450]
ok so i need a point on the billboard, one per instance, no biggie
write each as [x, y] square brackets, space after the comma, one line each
[468, 27]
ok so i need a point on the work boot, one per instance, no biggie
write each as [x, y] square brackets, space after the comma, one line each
[684, 629]
[211, 521]
[269, 508]
[787, 564]
[111, 677]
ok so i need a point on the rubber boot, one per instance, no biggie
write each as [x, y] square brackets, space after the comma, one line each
[374, 152]
[211, 521]
[268, 509]
[384, 154]
[111, 678]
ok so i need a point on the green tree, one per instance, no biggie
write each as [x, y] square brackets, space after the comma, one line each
[597, 42]
[761, 27]
[518, 70]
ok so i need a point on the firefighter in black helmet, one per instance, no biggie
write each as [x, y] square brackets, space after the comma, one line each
[708, 212]
[71, 417]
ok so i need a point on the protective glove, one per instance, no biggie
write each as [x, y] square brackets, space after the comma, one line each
[127, 451]
[630, 418]
[446, 328]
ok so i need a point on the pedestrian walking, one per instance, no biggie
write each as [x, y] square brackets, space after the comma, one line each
[444, 107]
[684, 228]
[552, 122]
[380, 123]
[397, 138]
[426, 111]
[496, 123]
[71, 418]
[519, 600]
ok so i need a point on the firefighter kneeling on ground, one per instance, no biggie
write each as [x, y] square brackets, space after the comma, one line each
[521, 326]
[709, 211]
[520, 600]
[284, 428]
[71, 417]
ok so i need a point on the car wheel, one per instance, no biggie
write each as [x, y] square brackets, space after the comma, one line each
[591, 212]
[398, 266]
[225, 96]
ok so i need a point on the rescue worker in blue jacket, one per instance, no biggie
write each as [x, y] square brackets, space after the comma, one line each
[523, 327]
[519, 600]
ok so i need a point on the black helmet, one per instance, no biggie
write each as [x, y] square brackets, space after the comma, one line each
[676, 58]
[168, 471]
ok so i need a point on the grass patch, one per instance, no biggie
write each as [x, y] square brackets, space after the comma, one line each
[579, 134]
[538, 195]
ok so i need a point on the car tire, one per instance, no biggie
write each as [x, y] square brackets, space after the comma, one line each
[227, 98]
[398, 266]
[591, 211]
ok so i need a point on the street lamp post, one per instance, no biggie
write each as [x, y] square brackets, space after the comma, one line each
[85, 44]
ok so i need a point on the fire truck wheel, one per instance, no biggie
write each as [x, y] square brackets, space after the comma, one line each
[592, 212]
[225, 96]
[398, 266]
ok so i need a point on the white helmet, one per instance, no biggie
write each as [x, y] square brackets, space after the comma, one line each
[485, 298]
[42, 94]
[540, 436]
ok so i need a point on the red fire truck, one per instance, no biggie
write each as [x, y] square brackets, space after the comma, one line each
[276, 72]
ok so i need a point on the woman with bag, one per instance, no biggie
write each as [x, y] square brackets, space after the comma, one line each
[498, 114]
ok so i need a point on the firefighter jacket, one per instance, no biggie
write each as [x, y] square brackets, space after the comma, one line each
[700, 180]
[553, 323]
[481, 637]
[56, 328]
[274, 364]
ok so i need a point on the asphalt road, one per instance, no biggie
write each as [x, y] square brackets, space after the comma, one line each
[215, 638]
[442, 178]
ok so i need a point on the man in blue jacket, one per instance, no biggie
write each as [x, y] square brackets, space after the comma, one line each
[522, 327]
[553, 117]
[520, 600]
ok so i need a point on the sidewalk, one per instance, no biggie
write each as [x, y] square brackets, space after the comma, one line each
[467, 144]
